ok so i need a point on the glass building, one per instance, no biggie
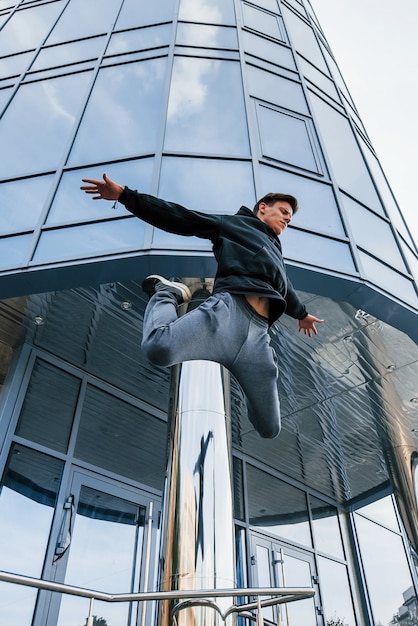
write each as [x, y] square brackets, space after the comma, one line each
[211, 104]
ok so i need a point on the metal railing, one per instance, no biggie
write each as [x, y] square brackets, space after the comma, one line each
[188, 598]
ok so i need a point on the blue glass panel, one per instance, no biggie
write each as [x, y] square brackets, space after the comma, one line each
[13, 251]
[37, 124]
[26, 29]
[275, 89]
[127, 100]
[326, 528]
[22, 202]
[201, 117]
[317, 206]
[317, 251]
[133, 40]
[263, 22]
[304, 39]
[287, 138]
[4, 96]
[164, 240]
[381, 511]
[319, 79]
[412, 261]
[373, 233]
[14, 65]
[268, 50]
[90, 240]
[388, 279]
[386, 568]
[335, 593]
[136, 13]
[206, 36]
[344, 153]
[191, 182]
[209, 11]
[68, 53]
[71, 205]
[84, 18]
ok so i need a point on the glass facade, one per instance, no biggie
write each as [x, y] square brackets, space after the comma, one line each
[209, 103]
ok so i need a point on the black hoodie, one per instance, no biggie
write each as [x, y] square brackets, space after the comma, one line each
[247, 250]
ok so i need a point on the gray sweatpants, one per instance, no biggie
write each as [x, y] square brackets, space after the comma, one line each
[224, 329]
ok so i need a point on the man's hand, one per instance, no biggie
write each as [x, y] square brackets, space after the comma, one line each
[105, 189]
[308, 325]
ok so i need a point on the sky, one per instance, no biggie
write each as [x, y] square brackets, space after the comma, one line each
[375, 44]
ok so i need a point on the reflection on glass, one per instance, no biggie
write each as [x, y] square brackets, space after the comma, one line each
[265, 23]
[90, 240]
[387, 278]
[293, 571]
[14, 65]
[209, 11]
[190, 182]
[317, 251]
[276, 507]
[29, 490]
[134, 13]
[239, 511]
[37, 124]
[51, 392]
[206, 36]
[141, 39]
[105, 554]
[326, 528]
[4, 96]
[286, 138]
[385, 567]
[200, 118]
[268, 50]
[364, 222]
[84, 18]
[319, 79]
[126, 99]
[68, 53]
[70, 205]
[264, 579]
[381, 511]
[26, 29]
[22, 202]
[14, 251]
[304, 39]
[335, 592]
[277, 90]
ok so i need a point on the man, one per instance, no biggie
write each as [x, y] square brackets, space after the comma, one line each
[251, 291]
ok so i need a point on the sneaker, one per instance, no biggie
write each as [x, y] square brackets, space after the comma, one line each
[155, 283]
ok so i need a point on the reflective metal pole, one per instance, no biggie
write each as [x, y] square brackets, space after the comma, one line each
[198, 546]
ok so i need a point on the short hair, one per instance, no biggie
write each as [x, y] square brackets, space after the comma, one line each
[272, 197]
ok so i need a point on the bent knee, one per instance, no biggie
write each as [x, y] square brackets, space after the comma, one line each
[157, 353]
[271, 431]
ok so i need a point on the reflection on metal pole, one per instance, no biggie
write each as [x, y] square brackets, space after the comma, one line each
[198, 532]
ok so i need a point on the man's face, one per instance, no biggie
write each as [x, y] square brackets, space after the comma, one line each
[277, 216]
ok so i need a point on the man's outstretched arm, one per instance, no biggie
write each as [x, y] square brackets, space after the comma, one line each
[307, 324]
[105, 189]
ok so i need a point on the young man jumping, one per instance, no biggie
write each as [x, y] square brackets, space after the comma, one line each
[251, 291]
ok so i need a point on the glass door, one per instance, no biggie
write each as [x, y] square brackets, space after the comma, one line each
[101, 544]
[277, 565]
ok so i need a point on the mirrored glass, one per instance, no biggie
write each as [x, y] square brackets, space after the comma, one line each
[84, 18]
[66, 54]
[318, 251]
[22, 202]
[206, 36]
[385, 567]
[71, 205]
[90, 240]
[326, 528]
[382, 243]
[347, 161]
[200, 118]
[190, 182]
[36, 126]
[287, 138]
[411, 259]
[133, 40]
[4, 96]
[209, 11]
[335, 593]
[275, 89]
[126, 99]
[304, 39]
[319, 79]
[265, 23]
[277, 508]
[14, 251]
[381, 511]
[27, 28]
[318, 209]
[268, 50]
[14, 65]
[29, 491]
[134, 13]
[387, 278]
